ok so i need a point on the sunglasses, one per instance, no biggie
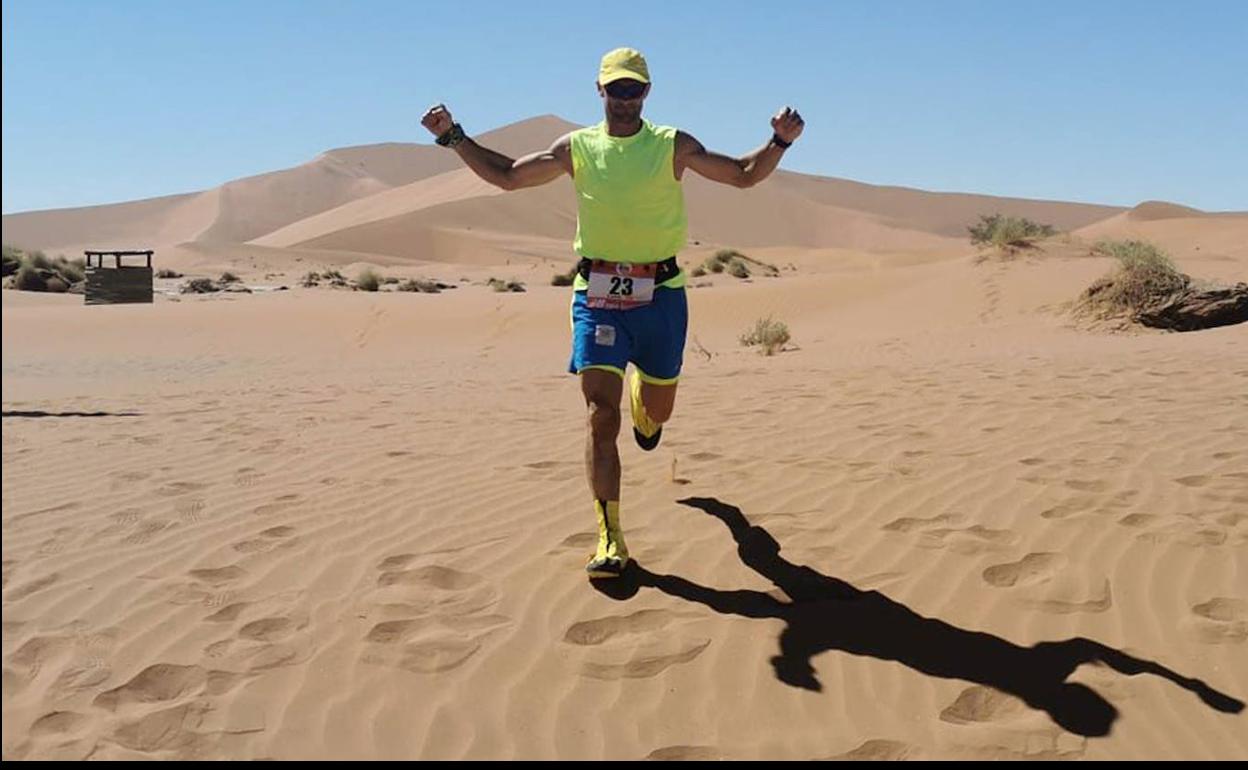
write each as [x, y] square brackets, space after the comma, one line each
[626, 90]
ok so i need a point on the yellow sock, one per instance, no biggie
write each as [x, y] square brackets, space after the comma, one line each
[610, 537]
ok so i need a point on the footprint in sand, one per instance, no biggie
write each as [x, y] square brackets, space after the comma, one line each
[1221, 620]
[433, 576]
[126, 478]
[163, 730]
[647, 660]
[967, 540]
[155, 684]
[191, 511]
[175, 488]
[33, 587]
[271, 538]
[581, 541]
[1193, 481]
[61, 538]
[454, 621]
[1232, 519]
[218, 575]
[431, 656]
[1067, 508]
[247, 477]
[1137, 519]
[126, 516]
[1088, 485]
[430, 645]
[595, 632]
[31, 657]
[909, 524]
[880, 749]
[979, 704]
[272, 629]
[59, 723]
[619, 654]
[145, 531]
[1029, 570]
[545, 465]
[1100, 603]
[1183, 534]
[227, 614]
[701, 456]
[686, 753]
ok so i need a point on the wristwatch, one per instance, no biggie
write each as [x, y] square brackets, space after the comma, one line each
[775, 138]
[453, 136]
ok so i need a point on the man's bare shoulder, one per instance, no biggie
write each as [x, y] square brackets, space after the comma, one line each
[561, 148]
[686, 144]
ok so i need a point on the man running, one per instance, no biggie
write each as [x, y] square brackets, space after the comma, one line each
[628, 302]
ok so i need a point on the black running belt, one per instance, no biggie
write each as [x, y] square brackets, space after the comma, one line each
[666, 270]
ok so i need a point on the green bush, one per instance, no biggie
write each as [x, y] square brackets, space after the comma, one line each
[500, 285]
[199, 286]
[71, 270]
[771, 335]
[1008, 232]
[735, 263]
[29, 278]
[420, 285]
[368, 280]
[1144, 274]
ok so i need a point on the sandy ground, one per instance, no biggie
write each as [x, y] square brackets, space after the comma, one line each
[947, 521]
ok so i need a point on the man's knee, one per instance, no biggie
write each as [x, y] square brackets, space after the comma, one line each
[604, 420]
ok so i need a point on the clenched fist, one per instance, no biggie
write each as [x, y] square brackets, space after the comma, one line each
[438, 120]
[787, 124]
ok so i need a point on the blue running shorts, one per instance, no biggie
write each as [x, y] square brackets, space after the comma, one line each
[652, 337]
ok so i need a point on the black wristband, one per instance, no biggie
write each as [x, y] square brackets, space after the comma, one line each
[453, 136]
[775, 138]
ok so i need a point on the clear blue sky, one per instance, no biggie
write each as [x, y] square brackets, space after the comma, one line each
[1090, 100]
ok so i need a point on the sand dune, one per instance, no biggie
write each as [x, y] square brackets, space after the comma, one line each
[1217, 241]
[416, 202]
[249, 208]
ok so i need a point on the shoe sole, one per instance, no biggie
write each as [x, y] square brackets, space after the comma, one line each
[606, 571]
[650, 443]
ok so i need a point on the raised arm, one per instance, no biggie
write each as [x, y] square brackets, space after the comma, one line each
[746, 171]
[531, 170]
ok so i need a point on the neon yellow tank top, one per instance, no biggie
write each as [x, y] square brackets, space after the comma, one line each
[630, 207]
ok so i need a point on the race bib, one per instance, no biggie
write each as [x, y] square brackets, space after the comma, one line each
[620, 286]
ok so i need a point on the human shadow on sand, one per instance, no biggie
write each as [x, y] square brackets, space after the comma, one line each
[829, 614]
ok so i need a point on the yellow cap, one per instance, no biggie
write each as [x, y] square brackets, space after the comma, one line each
[623, 63]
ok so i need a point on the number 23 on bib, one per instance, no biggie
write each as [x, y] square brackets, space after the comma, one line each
[619, 285]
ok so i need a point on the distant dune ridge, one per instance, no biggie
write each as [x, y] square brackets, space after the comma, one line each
[418, 201]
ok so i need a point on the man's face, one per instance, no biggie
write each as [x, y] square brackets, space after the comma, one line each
[624, 98]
